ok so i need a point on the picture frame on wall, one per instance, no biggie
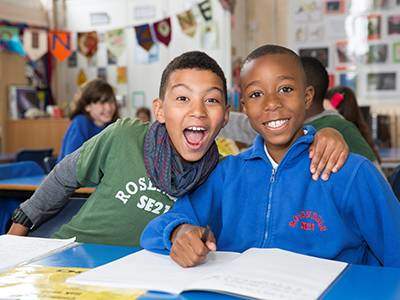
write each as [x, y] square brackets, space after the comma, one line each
[385, 81]
[381, 4]
[396, 52]
[21, 99]
[377, 53]
[374, 27]
[393, 24]
[322, 54]
[334, 7]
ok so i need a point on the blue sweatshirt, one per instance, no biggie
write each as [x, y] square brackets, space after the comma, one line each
[353, 217]
[79, 131]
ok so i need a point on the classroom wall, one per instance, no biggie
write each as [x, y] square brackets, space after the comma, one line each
[141, 77]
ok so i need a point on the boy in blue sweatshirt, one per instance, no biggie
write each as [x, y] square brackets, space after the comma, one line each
[265, 198]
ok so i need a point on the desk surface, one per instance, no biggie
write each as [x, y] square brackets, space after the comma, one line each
[357, 282]
[30, 184]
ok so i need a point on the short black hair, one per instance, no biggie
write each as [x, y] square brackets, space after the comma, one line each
[192, 60]
[317, 76]
[270, 49]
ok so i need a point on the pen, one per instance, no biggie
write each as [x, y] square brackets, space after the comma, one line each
[206, 232]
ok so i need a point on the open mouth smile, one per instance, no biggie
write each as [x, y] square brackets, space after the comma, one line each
[195, 136]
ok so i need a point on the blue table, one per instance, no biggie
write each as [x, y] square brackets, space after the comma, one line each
[356, 282]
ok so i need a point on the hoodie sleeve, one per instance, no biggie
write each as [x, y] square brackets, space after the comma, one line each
[198, 208]
[376, 211]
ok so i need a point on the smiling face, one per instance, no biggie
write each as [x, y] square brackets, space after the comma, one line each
[194, 110]
[275, 99]
[101, 112]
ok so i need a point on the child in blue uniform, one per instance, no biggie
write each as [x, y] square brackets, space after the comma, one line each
[265, 198]
[95, 108]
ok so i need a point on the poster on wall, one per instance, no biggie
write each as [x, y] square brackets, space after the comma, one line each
[121, 75]
[322, 54]
[377, 53]
[209, 36]
[308, 11]
[111, 58]
[334, 7]
[147, 57]
[349, 80]
[396, 52]
[73, 60]
[381, 81]
[393, 24]
[374, 27]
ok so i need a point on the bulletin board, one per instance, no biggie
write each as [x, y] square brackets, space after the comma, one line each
[136, 70]
[358, 41]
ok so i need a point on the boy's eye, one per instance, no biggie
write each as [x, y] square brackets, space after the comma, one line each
[182, 98]
[256, 94]
[212, 100]
[285, 89]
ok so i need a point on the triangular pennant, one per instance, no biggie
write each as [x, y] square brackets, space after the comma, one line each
[143, 36]
[115, 41]
[87, 43]
[206, 9]
[9, 40]
[35, 43]
[187, 22]
[81, 78]
[60, 44]
[163, 30]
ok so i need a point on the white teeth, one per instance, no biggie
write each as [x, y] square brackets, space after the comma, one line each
[196, 128]
[277, 123]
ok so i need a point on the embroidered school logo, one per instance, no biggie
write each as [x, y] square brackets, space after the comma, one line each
[308, 220]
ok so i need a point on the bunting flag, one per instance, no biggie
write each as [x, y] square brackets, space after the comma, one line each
[87, 43]
[9, 40]
[206, 9]
[163, 30]
[187, 21]
[35, 43]
[115, 41]
[60, 44]
[143, 36]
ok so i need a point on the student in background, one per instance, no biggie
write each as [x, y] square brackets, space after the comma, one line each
[140, 168]
[143, 114]
[266, 198]
[344, 101]
[317, 78]
[93, 110]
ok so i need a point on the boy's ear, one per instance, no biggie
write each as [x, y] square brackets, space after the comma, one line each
[309, 96]
[158, 110]
[243, 106]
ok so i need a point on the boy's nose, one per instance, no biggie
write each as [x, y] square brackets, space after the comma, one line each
[198, 109]
[272, 102]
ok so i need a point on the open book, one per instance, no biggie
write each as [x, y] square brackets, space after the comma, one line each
[257, 273]
[16, 250]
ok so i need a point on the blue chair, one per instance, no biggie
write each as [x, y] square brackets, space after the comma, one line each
[36, 155]
[9, 171]
[49, 227]
[394, 180]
